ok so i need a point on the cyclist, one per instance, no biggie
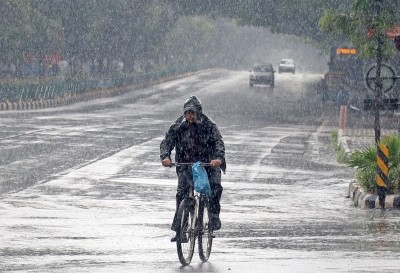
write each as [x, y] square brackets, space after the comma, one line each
[195, 137]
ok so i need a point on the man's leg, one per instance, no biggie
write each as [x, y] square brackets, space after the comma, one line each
[184, 175]
[214, 176]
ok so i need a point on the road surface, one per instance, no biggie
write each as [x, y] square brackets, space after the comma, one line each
[82, 188]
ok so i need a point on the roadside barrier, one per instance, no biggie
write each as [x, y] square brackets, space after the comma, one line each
[28, 95]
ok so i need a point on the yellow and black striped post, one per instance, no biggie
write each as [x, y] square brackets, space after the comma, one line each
[382, 172]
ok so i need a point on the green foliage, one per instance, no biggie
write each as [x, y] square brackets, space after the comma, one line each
[393, 144]
[133, 30]
[294, 17]
[23, 30]
[355, 22]
[191, 39]
[341, 155]
[337, 23]
[365, 163]
[335, 136]
[90, 29]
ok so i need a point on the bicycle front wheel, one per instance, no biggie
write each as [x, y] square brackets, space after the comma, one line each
[205, 234]
[185, 233]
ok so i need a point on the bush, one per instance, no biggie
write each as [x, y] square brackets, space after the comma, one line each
[365, 163]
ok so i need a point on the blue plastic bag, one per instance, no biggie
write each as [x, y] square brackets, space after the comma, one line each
[200, 178]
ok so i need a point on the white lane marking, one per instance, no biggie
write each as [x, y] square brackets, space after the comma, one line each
[252, 146]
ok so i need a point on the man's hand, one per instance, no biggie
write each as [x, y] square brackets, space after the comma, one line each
[166, 162]
[215, 163]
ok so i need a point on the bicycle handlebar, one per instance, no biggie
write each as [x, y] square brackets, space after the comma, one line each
[186, 164]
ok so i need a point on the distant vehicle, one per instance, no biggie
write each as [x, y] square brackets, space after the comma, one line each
[286, 65]
[262, 74]
[344, 81]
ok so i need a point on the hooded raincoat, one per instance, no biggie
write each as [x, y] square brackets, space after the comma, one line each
[199, 141]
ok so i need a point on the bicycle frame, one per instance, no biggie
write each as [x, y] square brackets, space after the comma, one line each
[198, 228]
[196, 196]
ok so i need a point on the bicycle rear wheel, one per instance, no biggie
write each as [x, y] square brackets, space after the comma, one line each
[185, 233]
[205, 234]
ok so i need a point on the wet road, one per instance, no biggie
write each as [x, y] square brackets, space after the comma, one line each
[82, 189]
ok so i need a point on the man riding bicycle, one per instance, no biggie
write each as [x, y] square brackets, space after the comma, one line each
[195, 137]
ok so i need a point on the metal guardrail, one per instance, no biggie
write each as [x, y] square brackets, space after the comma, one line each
[13, 92]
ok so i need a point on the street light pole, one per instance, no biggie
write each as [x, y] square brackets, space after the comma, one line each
[381, 187]
[378, 80]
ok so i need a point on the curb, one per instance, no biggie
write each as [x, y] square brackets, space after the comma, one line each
[365, 200]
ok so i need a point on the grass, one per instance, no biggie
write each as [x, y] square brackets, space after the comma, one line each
[341, 155]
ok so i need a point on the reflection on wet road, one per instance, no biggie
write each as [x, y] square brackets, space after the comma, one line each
[284, 205]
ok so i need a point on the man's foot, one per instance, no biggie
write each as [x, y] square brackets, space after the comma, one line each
[183, 240]
[215, 223]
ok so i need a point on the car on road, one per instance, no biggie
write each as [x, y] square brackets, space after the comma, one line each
[262, 74]
[286, 65]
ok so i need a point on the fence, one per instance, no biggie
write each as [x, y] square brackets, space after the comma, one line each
[51, 89]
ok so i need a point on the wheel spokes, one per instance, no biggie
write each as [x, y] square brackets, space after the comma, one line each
[186, 237]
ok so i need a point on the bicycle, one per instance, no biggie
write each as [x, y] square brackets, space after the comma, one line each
[193, 222]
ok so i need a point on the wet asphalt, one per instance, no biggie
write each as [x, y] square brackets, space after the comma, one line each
[82, 189]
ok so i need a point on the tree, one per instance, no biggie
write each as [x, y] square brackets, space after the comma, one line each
[134, 30]
[104, 30]
[24, 30]
[360, 20]
[191, 39]
[293, 17]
